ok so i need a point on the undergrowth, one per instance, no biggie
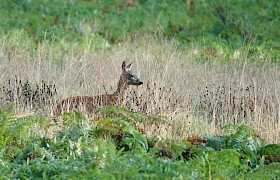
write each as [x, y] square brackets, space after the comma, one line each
[84, 149]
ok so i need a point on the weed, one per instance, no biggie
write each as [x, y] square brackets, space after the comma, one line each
[30, 96]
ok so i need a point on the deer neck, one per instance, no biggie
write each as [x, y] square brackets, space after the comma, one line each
[122, 89]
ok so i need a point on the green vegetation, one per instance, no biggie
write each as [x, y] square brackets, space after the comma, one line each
[236, 23]
[215, 25]
[208, 108]
[114, 148]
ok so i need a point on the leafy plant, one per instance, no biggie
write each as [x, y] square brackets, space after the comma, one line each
[270, 152]
[265, 172]
[122, 132]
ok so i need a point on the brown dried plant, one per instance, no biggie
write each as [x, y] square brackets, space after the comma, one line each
[32, 96]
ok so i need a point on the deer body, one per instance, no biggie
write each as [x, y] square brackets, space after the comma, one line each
[87, 104]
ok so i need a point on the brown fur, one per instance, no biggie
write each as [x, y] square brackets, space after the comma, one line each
[87, 104]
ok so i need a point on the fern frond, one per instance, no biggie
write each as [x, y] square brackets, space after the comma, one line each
[130, 141]
[240, 137]
[117, 125]
[124, 114]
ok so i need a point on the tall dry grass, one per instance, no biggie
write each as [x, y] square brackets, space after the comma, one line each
[197, 98]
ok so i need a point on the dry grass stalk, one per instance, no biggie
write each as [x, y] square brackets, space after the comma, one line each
[196, 98]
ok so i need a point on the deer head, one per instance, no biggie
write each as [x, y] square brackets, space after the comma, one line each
[128, 77]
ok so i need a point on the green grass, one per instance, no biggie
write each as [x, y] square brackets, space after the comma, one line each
[234, 25]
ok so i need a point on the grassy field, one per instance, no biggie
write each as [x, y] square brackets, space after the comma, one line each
[197, 98]
[210, 97]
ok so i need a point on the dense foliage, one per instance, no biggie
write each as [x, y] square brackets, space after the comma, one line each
[231, 23]
[113, 147]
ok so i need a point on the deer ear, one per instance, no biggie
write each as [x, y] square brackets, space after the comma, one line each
[123, 65]
[129, 66]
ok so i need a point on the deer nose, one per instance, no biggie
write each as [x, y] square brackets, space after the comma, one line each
[139, 83]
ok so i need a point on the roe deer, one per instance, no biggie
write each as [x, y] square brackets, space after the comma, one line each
[87, 104]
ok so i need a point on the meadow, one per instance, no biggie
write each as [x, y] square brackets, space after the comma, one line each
[209, 107]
